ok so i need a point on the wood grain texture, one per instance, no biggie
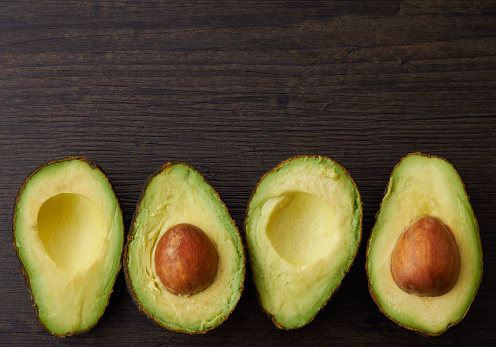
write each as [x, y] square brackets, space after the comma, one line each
[233, 88]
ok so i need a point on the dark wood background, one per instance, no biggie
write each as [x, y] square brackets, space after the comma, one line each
[233, 88]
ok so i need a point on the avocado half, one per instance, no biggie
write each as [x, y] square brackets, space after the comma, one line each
[68, 232]
[423, 185]
[178, 194]
[303, 228]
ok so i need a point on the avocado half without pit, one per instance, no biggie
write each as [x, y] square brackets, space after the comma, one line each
[184, 260]
[303, 229]
[68, 232]
[424, 256]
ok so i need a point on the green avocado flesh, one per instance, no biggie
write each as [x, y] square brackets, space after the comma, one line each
[68, 232]
[179, 194]
[421, 185]
[303, 229]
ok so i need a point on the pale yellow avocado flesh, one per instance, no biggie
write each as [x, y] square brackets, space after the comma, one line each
[71, 230]
[179, 194]
[419, 186]
[303, 229]
[68, 232]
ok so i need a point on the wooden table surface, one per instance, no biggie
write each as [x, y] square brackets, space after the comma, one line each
[233, 88]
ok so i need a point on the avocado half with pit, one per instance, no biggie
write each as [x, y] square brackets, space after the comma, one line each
[303, 228]
[424, 255]
[184, 260]
[68, 232]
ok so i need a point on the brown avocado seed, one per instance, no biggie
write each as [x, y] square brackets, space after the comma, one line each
[186, 260]
[425, 260]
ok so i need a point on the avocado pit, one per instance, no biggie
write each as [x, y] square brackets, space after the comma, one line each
[186, 260]
[426, 260]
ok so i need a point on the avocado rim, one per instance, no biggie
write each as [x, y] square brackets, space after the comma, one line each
[373, 294]
[275, 169]
[130, 237]
[93, 166]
